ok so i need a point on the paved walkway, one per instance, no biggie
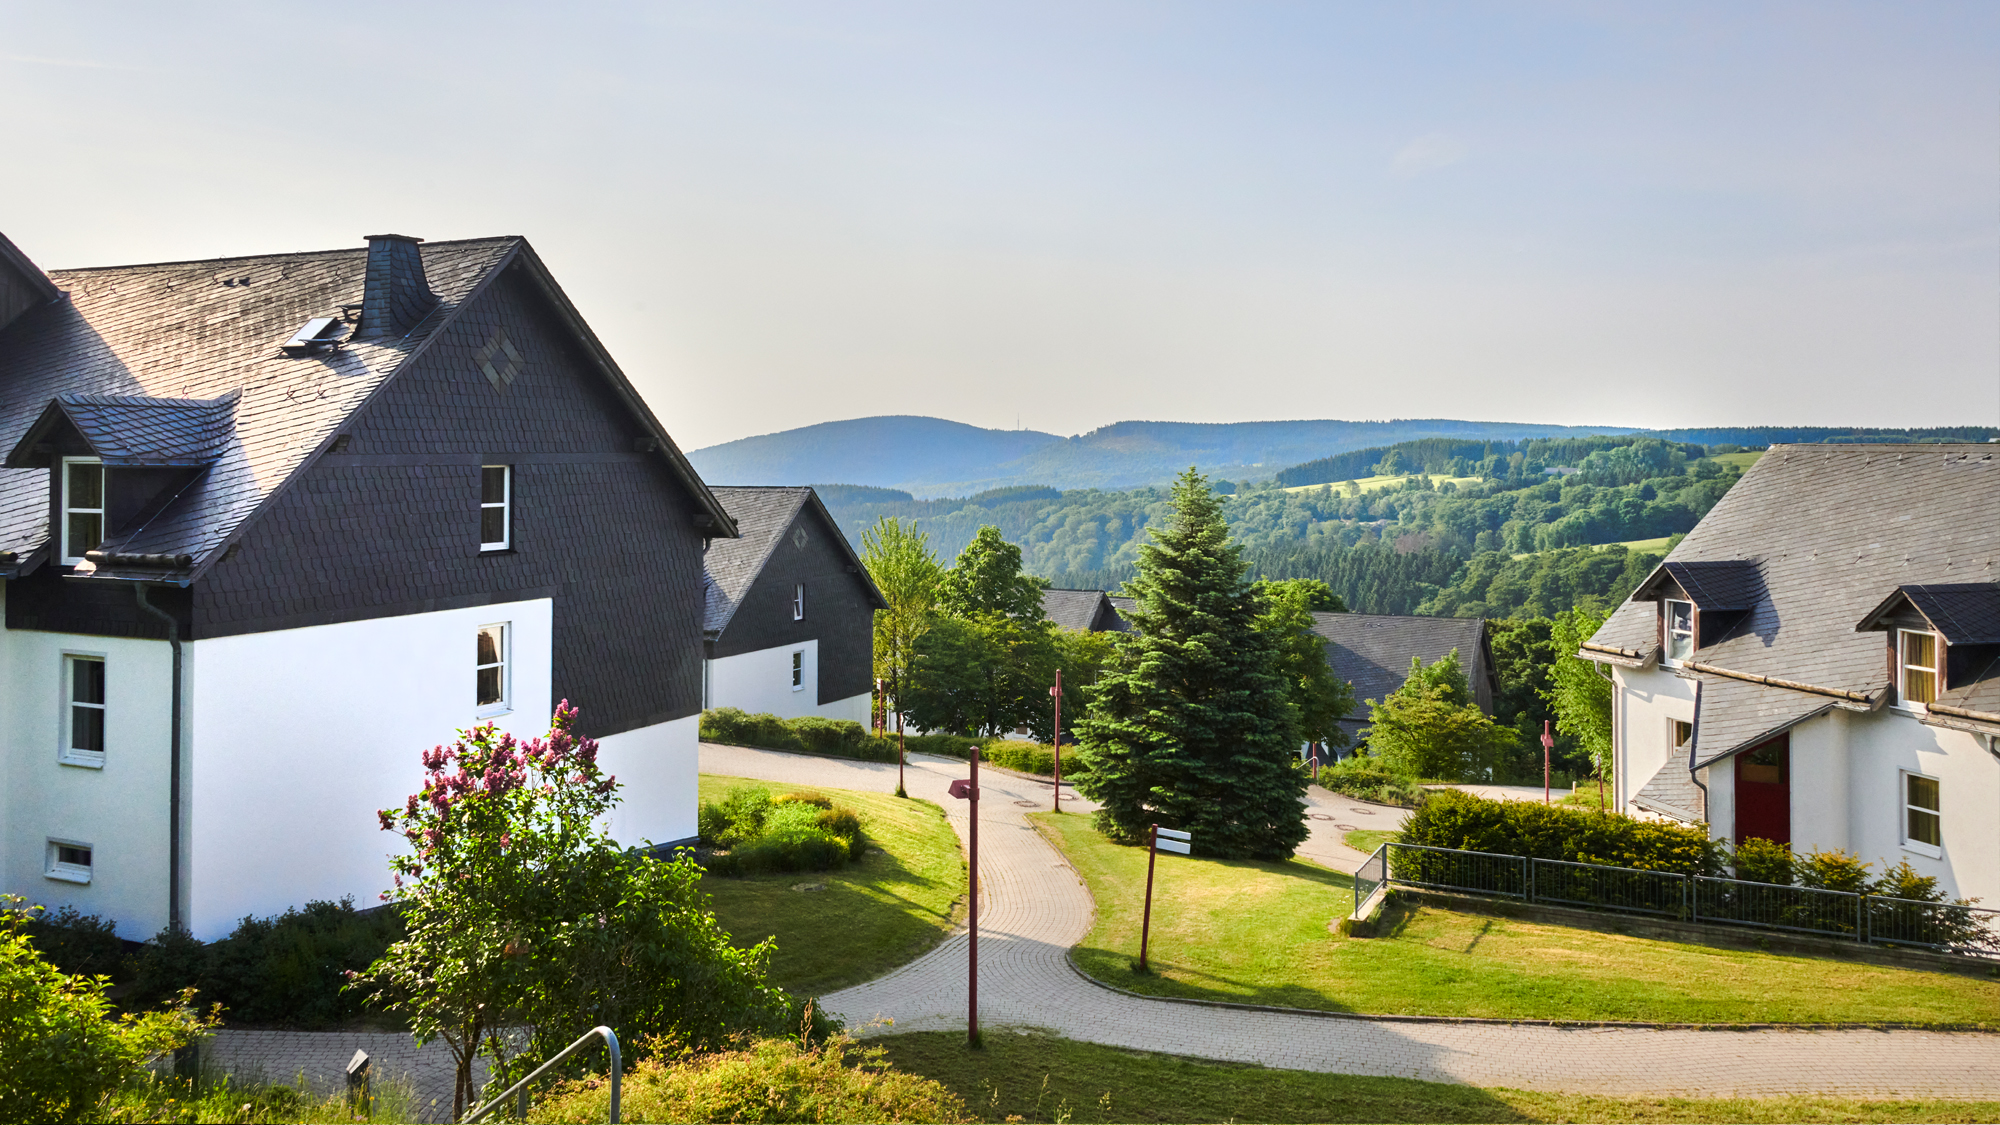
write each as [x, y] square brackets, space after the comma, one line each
[1035, 908]
[320, 1059]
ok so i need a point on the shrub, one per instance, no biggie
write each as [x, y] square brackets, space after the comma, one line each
[1761, 861]
[1450, 818]
[1030, 757]
[61, 1052]
[1369, 779]
[791, 832]
[772, 1080]
[942, 745]
[1833, 871]
[836, 738]
[817, 800]
[290, 969]
[78, 944]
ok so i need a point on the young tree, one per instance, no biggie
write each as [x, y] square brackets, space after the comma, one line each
[900, 562]
[987, 578]
[1578, 693]
[987, 662]
[1322, 698]
[1430, 727]
[522, 912]
[1193, 726]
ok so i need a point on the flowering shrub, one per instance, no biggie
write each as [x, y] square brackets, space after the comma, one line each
[522, 912]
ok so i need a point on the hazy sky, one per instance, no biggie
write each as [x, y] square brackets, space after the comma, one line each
[776, 214]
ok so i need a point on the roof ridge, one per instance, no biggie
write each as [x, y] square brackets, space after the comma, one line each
[294, 254]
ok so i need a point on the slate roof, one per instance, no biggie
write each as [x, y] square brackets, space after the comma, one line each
[1086, 611]
[762, 515]
[1965, 613]
[1373, 651]
[137, 430]
[1724, 586]
[207, 331]
[1832, 531]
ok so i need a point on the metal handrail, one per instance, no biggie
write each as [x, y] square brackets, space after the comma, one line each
[610, 1043]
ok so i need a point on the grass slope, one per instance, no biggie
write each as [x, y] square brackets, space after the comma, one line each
[1256, 932]
[1376, 484]
[1042, 1078]
[859, 922]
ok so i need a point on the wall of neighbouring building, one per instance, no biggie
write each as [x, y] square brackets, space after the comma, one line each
[658, 768]
[761, 682]
[1647, 699]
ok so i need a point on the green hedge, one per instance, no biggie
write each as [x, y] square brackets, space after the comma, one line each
[839, 738]
[1367, 779]
[1450, 818]
[289, 970]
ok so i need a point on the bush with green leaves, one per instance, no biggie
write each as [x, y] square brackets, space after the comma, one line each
[834, 738]
[1366, 778]
[522, 912]
[288, 970]
[1450, 818]
[61, 1050]
[1921, 913]
[77, 943]
[790, 832]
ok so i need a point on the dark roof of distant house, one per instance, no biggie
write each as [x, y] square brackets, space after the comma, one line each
[1833, 532]
[1373, 651]
[156, 341]
[1086, 611]
[763, 515]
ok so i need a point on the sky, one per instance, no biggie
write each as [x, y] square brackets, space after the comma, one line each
[1064, 215]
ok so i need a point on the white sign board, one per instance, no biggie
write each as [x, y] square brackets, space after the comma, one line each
[1172, 834]
[1179, 847]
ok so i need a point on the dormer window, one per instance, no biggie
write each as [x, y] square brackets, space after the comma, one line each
[82, 507]
[1679, 631]
[1916, 667]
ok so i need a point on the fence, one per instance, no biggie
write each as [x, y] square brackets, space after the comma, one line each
[1950, 927]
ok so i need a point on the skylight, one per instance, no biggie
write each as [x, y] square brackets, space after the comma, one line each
[319, 332]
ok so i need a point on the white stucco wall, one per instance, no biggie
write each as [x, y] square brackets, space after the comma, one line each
[658, 769]
[119, 810]
[298, 737]
[760, 682]
[1646, 700]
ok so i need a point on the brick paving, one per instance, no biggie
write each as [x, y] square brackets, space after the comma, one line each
[319, 1058]
[1035, 907]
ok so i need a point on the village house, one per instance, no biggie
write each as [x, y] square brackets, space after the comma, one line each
[789, 627]
[272, 526]
[1818, 662]
[1372, 652]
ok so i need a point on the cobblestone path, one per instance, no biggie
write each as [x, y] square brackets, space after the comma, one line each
[1034, 908]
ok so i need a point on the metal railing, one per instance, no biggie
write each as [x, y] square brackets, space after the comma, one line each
[1945, 926]
[521, 1088]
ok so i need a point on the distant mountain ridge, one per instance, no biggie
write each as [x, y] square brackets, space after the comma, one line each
[935, 457]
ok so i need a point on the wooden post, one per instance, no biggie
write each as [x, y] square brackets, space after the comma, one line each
[1146, 925]
[1057, 692]
[972, 963]
[1548, 744]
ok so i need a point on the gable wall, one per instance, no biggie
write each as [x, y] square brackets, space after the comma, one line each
[838, 614]
[390, 525]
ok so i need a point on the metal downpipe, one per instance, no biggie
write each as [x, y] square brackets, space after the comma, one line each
[174, 920]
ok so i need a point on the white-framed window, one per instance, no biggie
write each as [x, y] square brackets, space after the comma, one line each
[83, 710]
[496, 507]
[82, 506]
[799, 602]
[68, 860]
[1679, 631]
[1923, 831]
[495, 687]
[1916, 667]
[799, 670]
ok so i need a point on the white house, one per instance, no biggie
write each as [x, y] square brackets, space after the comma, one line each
[272, 526]
[789, 628]
[1818, 662]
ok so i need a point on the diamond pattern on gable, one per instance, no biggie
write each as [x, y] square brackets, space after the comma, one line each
[799, 537]
[500, 374]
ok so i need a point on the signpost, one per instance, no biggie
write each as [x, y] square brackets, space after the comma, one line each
[968, 790]
[1548, 744]
[1056, 693]
[1158, 840]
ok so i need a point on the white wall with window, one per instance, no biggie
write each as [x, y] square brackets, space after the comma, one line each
[301, 734]
[782, 681]
[1642, 733]
[109, 796]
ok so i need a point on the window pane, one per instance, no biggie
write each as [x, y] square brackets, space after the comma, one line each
[86, 681]
[1924, 828]
[86, 729]
[489, 646]
[1920, 649]
[79, 857]
[86, 486]
[492, 525]
[493, 485]
[489, 686]
[1923, 792]
[1919, 685]
[86, 532]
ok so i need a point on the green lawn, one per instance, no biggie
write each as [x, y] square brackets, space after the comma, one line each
[1257, 932]
[1038, 1077]
[837, 928]
[1368, 839]
[1741, 460]
[1656, 546]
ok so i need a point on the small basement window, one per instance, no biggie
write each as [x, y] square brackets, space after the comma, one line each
[1922, 827]
[1679, 631]
[1916, 667]
[799, 602]
[491, 669]
[69, 861]
[83, 725]
[83, 507]
[799, 670]
[496, 507]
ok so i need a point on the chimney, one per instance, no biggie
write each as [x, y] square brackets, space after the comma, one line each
[22, 286]
[396, 296]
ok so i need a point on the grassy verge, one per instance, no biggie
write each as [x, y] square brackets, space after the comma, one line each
[1368, 839]
[836, 928]
[1042, 1078]
[1255, 932]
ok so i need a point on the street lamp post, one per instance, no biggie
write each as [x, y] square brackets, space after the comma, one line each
[1056, 693]
[968, 790]
[1548, 744]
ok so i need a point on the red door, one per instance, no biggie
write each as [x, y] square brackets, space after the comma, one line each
[1764, 791]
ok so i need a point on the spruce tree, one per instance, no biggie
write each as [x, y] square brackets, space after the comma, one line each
[1193, 726]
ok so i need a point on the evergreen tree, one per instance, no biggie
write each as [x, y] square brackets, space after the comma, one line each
[1193, 726]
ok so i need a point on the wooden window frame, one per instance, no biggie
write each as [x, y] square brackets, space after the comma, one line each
[1910, 843]
[67, 751]
[505, 506]
[1900, 665]
[66, 510]
[504, 664]
[1667, 631]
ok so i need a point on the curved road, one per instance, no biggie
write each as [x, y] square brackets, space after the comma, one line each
[1035, 907]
